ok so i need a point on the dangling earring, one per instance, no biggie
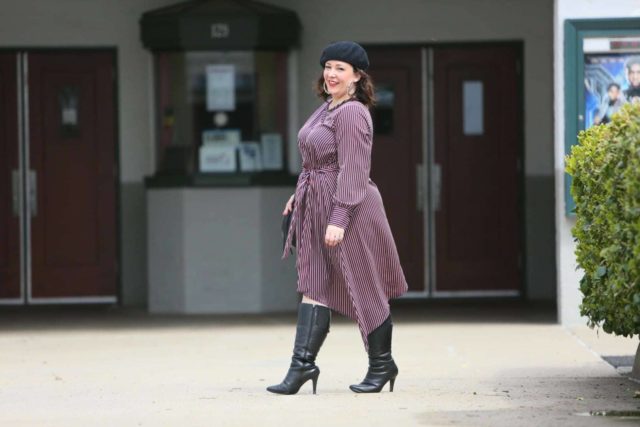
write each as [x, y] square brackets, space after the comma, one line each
[351, 89]
[324, 86]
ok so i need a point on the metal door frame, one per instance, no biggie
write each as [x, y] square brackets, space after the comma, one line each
[425, 178]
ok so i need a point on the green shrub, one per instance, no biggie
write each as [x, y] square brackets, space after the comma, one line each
[605, 167]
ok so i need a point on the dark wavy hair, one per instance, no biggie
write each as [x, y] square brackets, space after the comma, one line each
[365, 90]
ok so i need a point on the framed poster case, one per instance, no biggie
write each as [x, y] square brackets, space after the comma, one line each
[601, 73]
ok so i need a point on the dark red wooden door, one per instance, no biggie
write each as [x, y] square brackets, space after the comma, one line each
[72, 152]
[477, 134]
[397, 152]
[9, 169]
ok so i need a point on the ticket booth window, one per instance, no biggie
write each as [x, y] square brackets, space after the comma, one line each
[221, 103]
[220, 73]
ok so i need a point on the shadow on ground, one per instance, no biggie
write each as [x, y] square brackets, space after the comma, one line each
[78, 317]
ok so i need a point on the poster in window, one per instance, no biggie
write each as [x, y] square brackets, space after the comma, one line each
[611, 77]
[221, 136]
[271, 151]
[250, 159]
[218, 158]
[221, 88]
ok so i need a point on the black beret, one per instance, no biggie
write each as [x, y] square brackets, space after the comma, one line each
[346, 51]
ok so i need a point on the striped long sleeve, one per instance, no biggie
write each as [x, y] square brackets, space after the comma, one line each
[354, 139]
[359, 276]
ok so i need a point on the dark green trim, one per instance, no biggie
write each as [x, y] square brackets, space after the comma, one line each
[205, 180]
[575, 31]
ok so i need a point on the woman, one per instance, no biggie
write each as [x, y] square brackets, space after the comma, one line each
[346, 257]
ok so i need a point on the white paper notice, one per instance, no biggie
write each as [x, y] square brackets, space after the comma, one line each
[221, 136]
[221, 88]
[271, 151]
[250, 160]
[218, 158]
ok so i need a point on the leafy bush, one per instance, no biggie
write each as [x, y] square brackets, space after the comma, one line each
[606, 189]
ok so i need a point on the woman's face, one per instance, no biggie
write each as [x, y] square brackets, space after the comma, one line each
[338, 76]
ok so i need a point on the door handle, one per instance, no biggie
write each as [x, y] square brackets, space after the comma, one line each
[15, 192]
[436, 179]
[33, 193]
[420, 186]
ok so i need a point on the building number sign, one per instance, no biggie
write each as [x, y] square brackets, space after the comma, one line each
[220, 30]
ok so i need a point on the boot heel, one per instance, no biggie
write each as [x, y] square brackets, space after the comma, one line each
[391, 382]
[311, 330]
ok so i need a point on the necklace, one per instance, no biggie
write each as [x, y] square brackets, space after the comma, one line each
[329, 108]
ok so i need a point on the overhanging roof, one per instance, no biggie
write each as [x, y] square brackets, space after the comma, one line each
[219, 25]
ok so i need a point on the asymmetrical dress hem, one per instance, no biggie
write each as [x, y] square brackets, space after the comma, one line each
[359, 276]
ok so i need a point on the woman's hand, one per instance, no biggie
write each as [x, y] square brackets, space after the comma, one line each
[333, 236]
[289, 206]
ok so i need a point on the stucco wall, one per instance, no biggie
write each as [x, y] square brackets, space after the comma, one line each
[241, 272]
[569, 296]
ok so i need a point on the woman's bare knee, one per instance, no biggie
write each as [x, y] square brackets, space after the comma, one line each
[307, 300]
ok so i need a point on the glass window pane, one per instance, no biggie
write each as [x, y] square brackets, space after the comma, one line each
[473, 107]
[217, 97]
[384, 109]
[69, 99]
[610, 81]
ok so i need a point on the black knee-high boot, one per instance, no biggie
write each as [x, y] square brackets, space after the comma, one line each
[382, 368]
[312, 329]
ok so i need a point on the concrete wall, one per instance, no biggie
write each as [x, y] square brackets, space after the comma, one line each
[569, 296]
[217, 250]
[440, 21]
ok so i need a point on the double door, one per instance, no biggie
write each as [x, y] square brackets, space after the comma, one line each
[58, 177]
[447, 160]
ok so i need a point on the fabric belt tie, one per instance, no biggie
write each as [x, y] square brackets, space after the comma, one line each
[304, 194]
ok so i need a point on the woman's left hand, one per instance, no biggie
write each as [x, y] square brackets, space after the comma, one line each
[333, 236]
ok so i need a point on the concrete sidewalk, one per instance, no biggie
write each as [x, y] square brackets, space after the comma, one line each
[124, 368]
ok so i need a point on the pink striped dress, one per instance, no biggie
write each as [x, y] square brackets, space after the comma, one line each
[359, 275]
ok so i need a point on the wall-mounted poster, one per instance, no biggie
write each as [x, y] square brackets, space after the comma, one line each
[250, 159]
[221, 136]
[218, 158]
[601, 74]
[271, 151]
[221, 87]
[611, 77]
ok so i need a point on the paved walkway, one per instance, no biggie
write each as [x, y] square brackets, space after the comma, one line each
[459, 365]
